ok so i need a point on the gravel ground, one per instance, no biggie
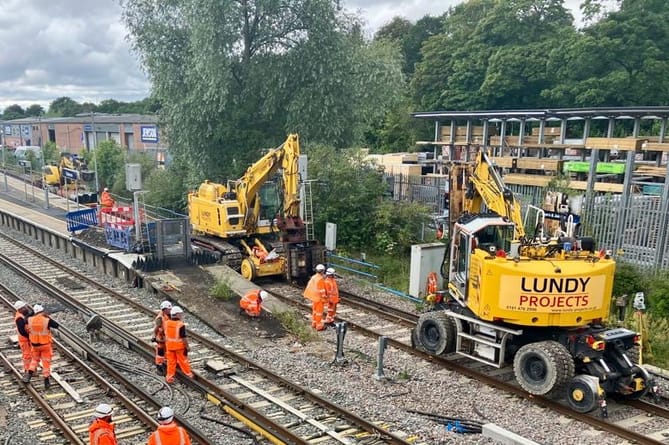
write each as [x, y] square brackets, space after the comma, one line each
[411, 384]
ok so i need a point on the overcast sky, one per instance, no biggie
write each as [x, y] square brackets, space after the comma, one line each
[77, 48]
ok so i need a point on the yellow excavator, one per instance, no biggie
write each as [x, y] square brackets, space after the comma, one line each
[537, 301]
[70, 176]
[232, 220]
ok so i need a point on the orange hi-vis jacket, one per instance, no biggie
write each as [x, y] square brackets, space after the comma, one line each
[106, 200]
[17, 316]
[160, 333]
[251, 303]
[315, 289]
[101, 433]
[40, 334]
[332, 290]
[173, 342]
[170, 434]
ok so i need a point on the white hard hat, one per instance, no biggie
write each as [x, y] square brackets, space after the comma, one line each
[165, 415]
[176, 310]
[263, 294]
[103, 410]
[106, 189]
[320, 268]
[165, 305]
[38, 308]
[330, 271]
[20, 304]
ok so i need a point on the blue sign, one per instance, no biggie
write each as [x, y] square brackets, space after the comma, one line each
[88, 127]
[149, 133]
[72, 175]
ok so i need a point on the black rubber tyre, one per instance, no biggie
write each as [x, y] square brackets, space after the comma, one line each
[543, 368]
[435, 333]
[582, 394]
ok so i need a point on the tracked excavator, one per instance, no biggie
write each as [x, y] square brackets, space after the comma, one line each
[537, 301]
[70, 176]
[233, 221]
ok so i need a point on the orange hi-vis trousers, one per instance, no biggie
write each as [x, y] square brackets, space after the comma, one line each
[159, 352]
[42, 353]
[174, 358]
[317, 308]
[26, 352]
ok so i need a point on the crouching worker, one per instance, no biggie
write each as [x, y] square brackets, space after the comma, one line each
[251, 303]
[168, 431]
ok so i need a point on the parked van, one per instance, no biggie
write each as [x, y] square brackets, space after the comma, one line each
[22, 151]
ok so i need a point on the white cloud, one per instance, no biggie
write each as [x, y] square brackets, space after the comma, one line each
[77, 48]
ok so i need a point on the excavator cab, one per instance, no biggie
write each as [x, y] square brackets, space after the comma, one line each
[476, 237]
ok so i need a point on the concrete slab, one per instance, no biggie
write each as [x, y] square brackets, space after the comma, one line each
[240, 286]
[505, 437]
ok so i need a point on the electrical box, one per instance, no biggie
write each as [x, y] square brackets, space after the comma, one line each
[425, 258]
[302, 167]
[330, 236]
[133, 177]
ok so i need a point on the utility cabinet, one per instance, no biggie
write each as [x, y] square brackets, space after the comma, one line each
[425, 258]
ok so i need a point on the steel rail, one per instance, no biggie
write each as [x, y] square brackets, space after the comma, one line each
[491, 381]
[210, 389]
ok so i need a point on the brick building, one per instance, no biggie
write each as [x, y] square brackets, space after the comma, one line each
[77, 134]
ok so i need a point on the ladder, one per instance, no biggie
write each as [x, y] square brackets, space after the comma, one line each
[307, 209]
[142, 231]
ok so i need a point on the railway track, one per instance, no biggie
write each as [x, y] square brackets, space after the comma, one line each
[638, 421]
[77, 388]
[271, 405]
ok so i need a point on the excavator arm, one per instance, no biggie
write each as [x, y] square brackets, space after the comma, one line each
[486, 188]
[248, 186]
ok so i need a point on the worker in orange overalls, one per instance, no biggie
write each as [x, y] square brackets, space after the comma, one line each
[332, 291]
[251, 303]
[168, 432]
[315, 291]
[101, 430]
[23, 311]
[259, 253]
[159, 335]
[106, 199]
[176, 345]
[39, 329]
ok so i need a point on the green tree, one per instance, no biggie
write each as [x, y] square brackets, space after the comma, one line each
[347, 193]
[490, 55]
[166, 188]
[50, 153]
[231, 78]
[410, 37]
[13, 112]
[65, 107]
[110, 158]
[619, 60]
[34, 110]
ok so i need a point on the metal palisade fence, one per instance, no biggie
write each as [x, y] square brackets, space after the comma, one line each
[636, 230]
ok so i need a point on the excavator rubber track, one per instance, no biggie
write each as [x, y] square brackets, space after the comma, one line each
[230, 254]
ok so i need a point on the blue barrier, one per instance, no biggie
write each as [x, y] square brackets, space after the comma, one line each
[353, 262]
[118, 237]
[81, 219]
[123, 236]
[366, 275]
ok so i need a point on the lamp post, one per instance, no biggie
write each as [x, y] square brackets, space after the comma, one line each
[4, 166]
[95, 155]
